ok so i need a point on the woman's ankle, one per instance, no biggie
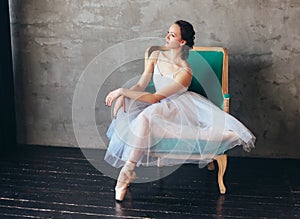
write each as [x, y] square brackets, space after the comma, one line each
[130, 165]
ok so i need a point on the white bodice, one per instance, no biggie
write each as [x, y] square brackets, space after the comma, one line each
[160, 81]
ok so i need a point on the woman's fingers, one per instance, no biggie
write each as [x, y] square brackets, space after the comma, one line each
[107, 100]
[120, 102]
[111, 97]
[116, 109]
[124, 105]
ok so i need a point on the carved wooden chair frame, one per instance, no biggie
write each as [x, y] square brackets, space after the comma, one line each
[221, 159]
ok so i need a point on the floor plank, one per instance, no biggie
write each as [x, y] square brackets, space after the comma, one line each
[58, 182]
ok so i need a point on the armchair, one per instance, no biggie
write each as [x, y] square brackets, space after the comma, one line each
[210, 66]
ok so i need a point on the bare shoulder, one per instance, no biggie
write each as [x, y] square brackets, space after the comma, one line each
[186, 66]
[152, 50]
[153, 56]
[184, 76]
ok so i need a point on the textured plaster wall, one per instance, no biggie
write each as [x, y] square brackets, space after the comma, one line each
[54, 41]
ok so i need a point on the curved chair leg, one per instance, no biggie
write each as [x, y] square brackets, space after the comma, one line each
[222, 164]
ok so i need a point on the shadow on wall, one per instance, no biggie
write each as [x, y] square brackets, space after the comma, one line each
[265, 97]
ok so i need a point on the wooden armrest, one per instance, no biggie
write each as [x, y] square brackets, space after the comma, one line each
[226, 105]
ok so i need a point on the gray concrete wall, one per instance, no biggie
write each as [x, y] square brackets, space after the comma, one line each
[54, 41]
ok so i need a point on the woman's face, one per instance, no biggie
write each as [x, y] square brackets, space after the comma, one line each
[173, 38]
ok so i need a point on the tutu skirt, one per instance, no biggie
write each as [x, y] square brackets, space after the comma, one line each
[186, 123]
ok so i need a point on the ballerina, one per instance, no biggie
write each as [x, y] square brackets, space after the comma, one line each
[170, 111]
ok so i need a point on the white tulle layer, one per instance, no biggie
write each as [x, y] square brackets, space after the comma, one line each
[185, 124]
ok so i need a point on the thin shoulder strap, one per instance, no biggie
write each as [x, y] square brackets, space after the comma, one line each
[180, 69]
[157, 57]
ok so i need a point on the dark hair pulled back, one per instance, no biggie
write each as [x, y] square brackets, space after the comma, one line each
[187, 34]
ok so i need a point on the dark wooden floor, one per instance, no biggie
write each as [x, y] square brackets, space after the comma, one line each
[53, 182]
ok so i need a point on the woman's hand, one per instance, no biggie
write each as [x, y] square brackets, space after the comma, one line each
[120, 102]
[112, 96]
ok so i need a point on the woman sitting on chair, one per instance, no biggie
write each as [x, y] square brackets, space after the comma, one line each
[170, 112]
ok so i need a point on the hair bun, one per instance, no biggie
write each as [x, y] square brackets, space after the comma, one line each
[187, 32]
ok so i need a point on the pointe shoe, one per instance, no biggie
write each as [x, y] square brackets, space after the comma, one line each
[126, 176]
[120, 193]
[133, 176]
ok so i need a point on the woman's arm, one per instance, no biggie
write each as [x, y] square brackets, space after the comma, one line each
[147, 74]
[141, 84]
[182, 80]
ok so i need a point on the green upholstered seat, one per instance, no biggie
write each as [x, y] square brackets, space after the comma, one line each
[188, 147]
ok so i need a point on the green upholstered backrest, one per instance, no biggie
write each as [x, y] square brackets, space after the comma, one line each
[207, 66]
[204, 63]
[207, 69]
